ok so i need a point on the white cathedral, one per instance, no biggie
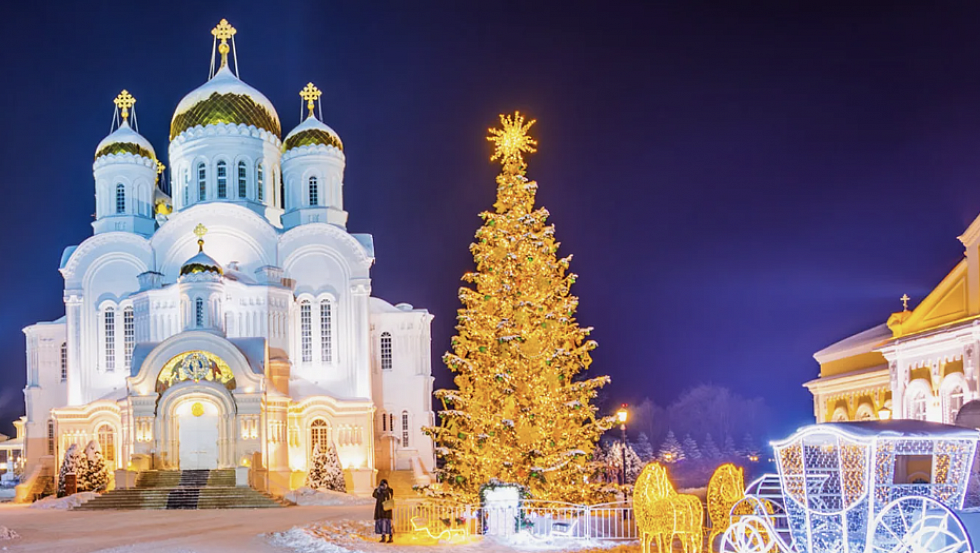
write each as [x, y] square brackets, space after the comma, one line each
[232, 324]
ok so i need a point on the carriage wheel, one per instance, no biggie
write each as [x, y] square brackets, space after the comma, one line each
[749, 534]
[918, 524]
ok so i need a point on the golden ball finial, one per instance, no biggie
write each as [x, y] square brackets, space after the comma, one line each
[124, 101]
[512, 141]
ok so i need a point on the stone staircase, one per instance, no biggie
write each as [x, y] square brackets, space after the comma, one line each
[182, 489]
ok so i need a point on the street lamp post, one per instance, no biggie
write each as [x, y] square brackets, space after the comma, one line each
[622, 415]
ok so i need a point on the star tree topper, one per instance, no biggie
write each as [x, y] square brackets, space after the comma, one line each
[512, 141]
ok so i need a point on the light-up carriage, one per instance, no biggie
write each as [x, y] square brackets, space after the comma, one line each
[863, 487]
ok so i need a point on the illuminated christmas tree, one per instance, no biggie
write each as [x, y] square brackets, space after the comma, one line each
[521, 412]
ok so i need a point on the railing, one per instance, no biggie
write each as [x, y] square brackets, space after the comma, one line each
[541, 520]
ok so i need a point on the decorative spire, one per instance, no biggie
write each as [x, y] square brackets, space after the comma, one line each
[223, 32]
[124, 102]
[311, 94]
[160, 168]
[512, 141]
[200, 230]
[905, 302]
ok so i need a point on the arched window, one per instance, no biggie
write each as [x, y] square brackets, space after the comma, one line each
[129, 336]
[199, 312]
[326, 316]
[918, 406]
[404, 428]
[202, 182]
[187, 186]
[954, 404]
[259, 183]
[314, 192]
[306, 331]
[385, 351]
[64, 361]
[384, 422]
[50, 437]
[242, 182]
[222, 180]
[120, 198]
[107, 442]
[109, 322]
[319, 435]
[277, 180]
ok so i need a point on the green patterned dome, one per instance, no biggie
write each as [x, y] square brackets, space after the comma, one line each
[225, 99]
[309, 132]
[125, 140]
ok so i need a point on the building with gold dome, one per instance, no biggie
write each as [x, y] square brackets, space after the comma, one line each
[229, 323]
[921, 363]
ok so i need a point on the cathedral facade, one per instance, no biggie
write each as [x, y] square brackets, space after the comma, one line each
[229, 323]
[920, 363]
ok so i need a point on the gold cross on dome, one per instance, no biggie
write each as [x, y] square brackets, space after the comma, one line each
[512, 141]
[124, 101]
[311, 94]
[223, 32]
[905, 301]
[160, 167]
[200, 230]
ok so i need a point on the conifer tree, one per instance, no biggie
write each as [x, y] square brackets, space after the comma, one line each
[316, 477]
[333, 472]
[728, 449]
[521, 411]
[94, 474]
[643, 447]
[72, 464]
[691, 449]
[671, 450]
[748, 446]
[710, 450]
[634, 465]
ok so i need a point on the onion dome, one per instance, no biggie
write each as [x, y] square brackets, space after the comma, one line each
[125, 140]
[312, 131]
[202, 262]
[225, 99]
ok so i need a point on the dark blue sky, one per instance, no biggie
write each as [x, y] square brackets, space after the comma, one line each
[741, 186]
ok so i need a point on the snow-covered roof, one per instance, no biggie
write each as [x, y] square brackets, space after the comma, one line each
[862, 342]
[140, 351]
[254, 351]
[115, 395]
[367, 242]
[898, 428]
[66, 255]
[300, 388]
[379, 305]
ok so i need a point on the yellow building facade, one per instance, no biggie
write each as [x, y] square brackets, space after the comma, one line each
[921, 363]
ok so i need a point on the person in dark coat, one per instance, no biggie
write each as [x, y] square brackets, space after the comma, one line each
[382, 517]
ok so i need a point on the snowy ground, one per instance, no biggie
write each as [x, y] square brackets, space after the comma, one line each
[310, 529]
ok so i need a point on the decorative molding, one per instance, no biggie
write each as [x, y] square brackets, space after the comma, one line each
[224, 129]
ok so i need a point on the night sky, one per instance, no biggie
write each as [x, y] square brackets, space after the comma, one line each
[740, 186]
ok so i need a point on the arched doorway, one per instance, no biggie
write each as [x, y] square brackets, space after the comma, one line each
[197, 434]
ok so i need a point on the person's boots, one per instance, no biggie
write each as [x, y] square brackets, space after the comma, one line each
[382, 538]
[391, 538]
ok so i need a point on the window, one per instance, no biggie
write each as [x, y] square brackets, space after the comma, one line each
[107, 441]
[384, 422]
[222, 180]
[199, 312]
[319, 436]
[129, 336]
[404, 428]
[187, 186]
[955, 403]
[314, 192]
[64, 361]
[202, 182]
[918, 407]
[385, 351]
[306, 337]
[277, 179]
[120, 198]
[326, 354]
[242, 182]
[110, 340]
[50, 437]
[259, 183]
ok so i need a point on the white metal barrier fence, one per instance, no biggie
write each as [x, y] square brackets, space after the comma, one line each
[538, 519]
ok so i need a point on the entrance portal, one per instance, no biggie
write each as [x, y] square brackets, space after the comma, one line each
[197, 433]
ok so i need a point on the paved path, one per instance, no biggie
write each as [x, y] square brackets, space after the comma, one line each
[205, 531]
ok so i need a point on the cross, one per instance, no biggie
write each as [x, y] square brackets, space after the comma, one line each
[160, 167]
[223, 32]
[905, 301]
[200, 230]
[311, 94]
[124, 101]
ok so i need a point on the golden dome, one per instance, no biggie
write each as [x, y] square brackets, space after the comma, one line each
[309, 132]
[125, 140]
[225, 100]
